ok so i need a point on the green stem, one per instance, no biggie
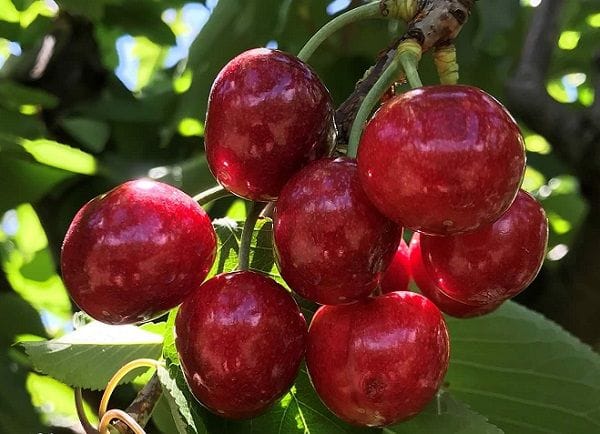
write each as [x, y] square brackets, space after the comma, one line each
[210, 195]
[409, 62]
[387, 79]
[370, 10]
[247, 231]
[406, 58]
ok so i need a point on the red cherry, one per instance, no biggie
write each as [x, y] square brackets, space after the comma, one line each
[268, 115]
[331, 245]
[136, 252]
[432, 292]
[442, 159]
[397, 275]
[494, 263]
[380, 360]
[240, 339]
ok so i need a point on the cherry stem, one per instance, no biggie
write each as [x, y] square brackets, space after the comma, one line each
[210, 195]
[409, 63]
[364, 12]
[247, 231]
[406, 59]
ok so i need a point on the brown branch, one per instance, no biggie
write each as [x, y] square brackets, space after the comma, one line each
[571, 130]
[436, 23]
[142, 406]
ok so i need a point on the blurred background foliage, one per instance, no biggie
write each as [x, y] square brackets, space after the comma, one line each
[93, 93]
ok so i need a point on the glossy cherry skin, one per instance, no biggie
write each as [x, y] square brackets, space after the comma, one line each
[430, 290]
[494, 263]
[442, 159]
[136, 252]
[268, 115]
[331, 244]
[240, 339]
[380, 360]
[397, 275]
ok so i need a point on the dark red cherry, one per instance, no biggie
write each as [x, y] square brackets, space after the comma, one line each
[331, 244]
[494, 263]
[442, 159]
[268, 115]
[397, 275]
[240, 339]
[378, 361]
[430, 290]
[136, 251]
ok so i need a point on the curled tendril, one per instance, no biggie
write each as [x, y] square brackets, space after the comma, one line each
[114, 381]
[106, 416]
[111, 415]
[404, 10]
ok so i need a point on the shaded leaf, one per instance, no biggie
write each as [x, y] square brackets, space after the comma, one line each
[14, 95]
[140, 18]
[31, 180]
[92, 134]
[448, 415]
[525, 373]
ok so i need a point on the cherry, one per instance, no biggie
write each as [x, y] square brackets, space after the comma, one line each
[380, 360]
[494, 263]
[268, 115]
[442, 159]
[331, 245]
[430, 290]
[240, 338]
[397, 275]
[136, 252]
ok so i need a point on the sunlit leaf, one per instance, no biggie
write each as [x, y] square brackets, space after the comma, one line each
[61, 156]
[54, 401]
[89, 356]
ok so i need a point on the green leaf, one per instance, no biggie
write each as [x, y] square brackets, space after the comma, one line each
[169, 350]
[141, 18]
[448, 415]
[31, 271]
[93, 10]
[91, 133]
[89, 356]
[525, 373]
[261, 247]
[18, 318]
[14, 95]
[16, 124]
[23, 181]
[17, 414]
[54, 401]
[61, 156]
[184, 410]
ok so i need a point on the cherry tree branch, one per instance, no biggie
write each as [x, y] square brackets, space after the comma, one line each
[142, 406]
[437, 23]
[573, 131]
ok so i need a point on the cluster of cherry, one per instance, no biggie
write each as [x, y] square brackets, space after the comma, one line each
[444, 161]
